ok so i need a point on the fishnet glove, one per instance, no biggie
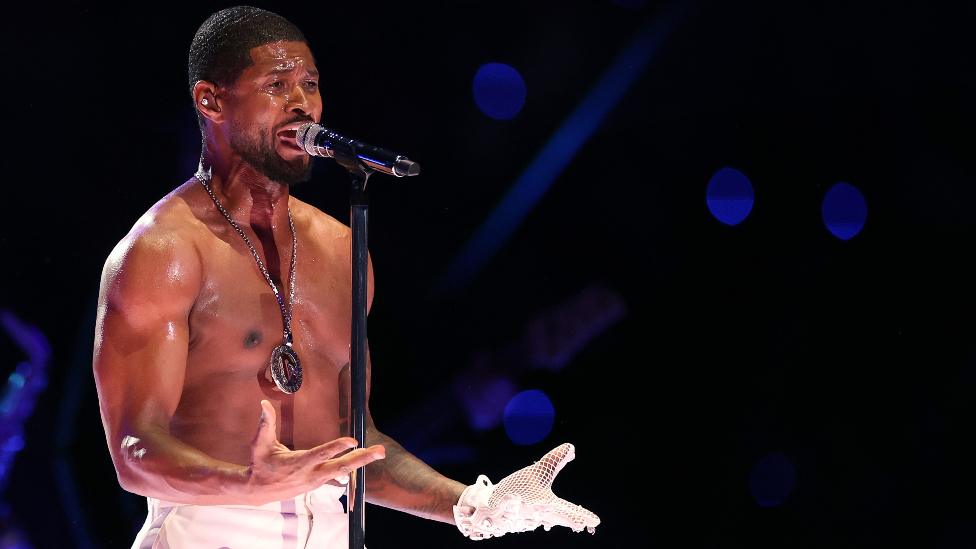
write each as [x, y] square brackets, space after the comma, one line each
[521, 502]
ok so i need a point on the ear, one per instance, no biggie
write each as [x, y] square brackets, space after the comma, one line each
[206, 102]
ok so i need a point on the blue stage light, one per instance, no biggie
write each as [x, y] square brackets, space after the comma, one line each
[559, 151]
[529, 416]
[844, 210]
[729, 196]
[499, 91]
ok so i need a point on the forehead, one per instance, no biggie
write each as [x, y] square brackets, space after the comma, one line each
[281, 56]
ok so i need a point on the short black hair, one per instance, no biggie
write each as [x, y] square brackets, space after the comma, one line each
[221, 47]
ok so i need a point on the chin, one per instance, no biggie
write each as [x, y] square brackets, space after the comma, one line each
[294, 175]
[282, 166]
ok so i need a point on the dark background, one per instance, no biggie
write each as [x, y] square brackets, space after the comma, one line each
[852, 359]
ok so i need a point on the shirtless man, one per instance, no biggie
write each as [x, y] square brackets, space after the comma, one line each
[187, 321]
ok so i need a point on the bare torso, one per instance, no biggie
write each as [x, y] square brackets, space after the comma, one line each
[235, 322]
[185, 329]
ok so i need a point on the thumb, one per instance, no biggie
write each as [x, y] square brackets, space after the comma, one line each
[558, 457]
[267, 427]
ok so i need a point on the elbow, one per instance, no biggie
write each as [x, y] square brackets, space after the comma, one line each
[129, 479]
[126, 480]
[128, 460]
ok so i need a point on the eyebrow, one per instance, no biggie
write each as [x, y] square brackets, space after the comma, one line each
[282, 70]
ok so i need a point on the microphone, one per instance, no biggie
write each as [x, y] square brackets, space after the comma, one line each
[317, 140]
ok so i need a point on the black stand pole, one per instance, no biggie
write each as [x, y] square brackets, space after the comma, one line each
[358, 220]
[360, 166]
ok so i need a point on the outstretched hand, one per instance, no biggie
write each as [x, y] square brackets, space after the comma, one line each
[534, 485]
[522, 501]
[277, 472]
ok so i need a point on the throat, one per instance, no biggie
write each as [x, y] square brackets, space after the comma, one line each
[270, 221]
[272, 258]
[267, 205]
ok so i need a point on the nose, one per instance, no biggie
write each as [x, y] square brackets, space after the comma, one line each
[297, 101]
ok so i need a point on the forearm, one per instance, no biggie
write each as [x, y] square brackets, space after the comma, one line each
[405, 483]
[153, 463]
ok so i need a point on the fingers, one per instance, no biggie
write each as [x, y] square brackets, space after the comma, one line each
[364, 456]
[334, 447]
[558, 457]
[266, 435]
[575, 517]
[343, 466]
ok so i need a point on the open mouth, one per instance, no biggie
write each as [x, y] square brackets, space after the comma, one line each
[289, 139]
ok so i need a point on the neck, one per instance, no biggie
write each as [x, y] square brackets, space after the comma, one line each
[247, 194]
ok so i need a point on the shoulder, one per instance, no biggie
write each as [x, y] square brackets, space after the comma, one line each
[169, 230]
[332, 236]
[160, 254]
[316, 222]
[330, 233]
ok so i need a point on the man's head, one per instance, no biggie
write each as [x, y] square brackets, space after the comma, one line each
[253, 81]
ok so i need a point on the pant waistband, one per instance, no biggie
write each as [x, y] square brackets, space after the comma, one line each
[324, 498]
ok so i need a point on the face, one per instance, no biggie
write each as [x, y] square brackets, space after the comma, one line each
[267, 104]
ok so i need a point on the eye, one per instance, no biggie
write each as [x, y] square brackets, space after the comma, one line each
[276, 85]
[311, 85]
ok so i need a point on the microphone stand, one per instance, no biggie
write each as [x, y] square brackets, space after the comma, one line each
[358, 220]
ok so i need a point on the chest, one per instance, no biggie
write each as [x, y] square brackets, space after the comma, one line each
[237, 315]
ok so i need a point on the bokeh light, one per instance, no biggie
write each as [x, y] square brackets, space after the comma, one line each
[729, 196]
[529, 416]
[844, 210]
[499, 91]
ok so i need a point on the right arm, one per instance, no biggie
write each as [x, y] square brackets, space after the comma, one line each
[148, 287]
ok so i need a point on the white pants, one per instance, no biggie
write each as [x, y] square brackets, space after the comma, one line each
[315, 520]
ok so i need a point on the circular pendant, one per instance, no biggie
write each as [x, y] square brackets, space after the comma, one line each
[286, 369]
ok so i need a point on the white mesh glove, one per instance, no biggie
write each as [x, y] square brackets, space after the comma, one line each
[521, 502]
